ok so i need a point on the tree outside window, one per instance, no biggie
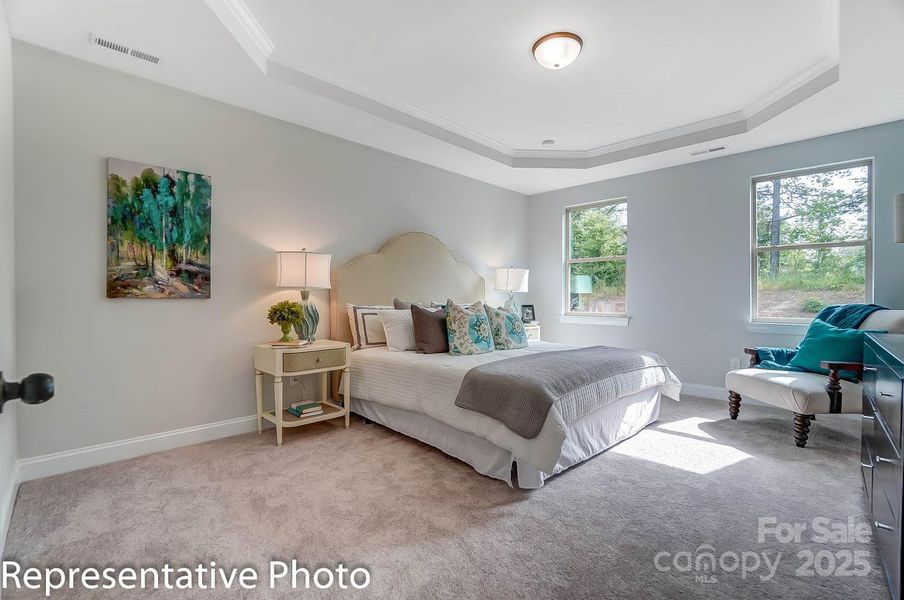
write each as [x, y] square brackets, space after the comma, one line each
[595, 269]
[812, 242]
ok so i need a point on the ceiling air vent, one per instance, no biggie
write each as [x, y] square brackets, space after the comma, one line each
[103, 43]
[708, 150]
[123, 49]
[145, 56]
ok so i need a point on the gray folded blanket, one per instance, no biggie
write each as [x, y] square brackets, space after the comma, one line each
[519, 391]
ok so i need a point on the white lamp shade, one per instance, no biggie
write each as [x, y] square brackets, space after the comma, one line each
[581, 284]
[306, 270]
[899, 218]
[511, 280]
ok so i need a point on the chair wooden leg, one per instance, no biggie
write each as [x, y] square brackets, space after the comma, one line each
[734, 404]
[801, 429]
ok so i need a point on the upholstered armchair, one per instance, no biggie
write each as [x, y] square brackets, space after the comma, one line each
[807, 394]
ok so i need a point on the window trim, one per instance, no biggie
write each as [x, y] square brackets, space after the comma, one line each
[566, 298]
[867, 242]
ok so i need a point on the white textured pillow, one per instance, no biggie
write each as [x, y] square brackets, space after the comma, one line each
[399, 328]
[367, 327]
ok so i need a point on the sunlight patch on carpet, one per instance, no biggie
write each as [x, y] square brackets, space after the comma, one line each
[680, 452]
[689, 426]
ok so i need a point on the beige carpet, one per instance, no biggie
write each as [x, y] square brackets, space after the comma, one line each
[428, 526]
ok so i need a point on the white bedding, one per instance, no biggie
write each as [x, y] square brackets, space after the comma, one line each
[429, 384]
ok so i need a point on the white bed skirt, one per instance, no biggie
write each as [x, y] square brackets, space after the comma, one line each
[587, 437]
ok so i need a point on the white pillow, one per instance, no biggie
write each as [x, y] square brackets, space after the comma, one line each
[367, 328]
[399, 328]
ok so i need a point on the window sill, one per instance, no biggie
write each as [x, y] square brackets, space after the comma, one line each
[612, 321]
[778, 328]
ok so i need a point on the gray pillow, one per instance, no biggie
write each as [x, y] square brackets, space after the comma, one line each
[401, 304]
[430, 333]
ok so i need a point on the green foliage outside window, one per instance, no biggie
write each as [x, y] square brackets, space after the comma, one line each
[829, 209]
[599, 232]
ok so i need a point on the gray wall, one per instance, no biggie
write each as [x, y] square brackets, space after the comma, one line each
[688, 250]
[126, 368]
[7, 278]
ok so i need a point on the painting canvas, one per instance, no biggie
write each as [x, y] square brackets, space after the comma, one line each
[158, 232]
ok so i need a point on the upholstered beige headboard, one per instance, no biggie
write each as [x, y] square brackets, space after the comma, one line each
[415, 267]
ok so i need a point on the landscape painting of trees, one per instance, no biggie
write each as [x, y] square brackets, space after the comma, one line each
[158, 232]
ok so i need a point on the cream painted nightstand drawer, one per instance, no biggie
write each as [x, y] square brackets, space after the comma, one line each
[308, 361]
[318, 356]
[533, 332]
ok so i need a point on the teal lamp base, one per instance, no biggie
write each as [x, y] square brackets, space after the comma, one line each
[511, 305]
[306, 328]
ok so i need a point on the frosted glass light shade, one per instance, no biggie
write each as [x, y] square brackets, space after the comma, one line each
[306, 270]
[511, 280]
[581, 284]
[899, 218]
[557, 50]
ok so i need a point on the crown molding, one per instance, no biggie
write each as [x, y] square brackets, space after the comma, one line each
[400, 114]
[240, 22]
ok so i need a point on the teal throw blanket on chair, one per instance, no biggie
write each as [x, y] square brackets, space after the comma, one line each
[844, 316]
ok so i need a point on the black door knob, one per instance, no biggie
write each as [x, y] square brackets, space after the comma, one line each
[34, 389]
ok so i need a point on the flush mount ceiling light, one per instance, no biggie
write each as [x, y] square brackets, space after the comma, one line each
[557, 50]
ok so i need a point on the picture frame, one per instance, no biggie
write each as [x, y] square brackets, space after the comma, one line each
[528, 315]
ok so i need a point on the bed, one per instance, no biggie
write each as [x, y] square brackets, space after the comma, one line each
[415, 394]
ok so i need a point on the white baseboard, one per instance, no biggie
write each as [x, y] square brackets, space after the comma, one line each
[81, 458]
[704, 391]
[47, 465]
[712, 392]
[7, 500]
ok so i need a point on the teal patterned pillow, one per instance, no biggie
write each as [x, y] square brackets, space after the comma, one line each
[469, 329]
[508, 329]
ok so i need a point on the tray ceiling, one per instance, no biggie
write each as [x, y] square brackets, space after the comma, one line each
[455, 85]
[652, 75]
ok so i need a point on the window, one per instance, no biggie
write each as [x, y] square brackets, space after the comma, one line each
[596, 236]
[811, 241]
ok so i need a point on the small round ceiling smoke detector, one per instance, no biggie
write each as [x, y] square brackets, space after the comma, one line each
[557, 50]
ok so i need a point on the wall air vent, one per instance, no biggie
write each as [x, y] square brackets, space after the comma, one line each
[123, 49]
[707, 151]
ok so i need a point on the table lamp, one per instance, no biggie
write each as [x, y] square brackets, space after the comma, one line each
[304, 271]
[581, 284]
[512, 280]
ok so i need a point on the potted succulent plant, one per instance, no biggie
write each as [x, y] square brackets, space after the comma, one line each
[285, 314]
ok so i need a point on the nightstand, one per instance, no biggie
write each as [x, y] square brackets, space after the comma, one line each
[533, 331]
[322, 356]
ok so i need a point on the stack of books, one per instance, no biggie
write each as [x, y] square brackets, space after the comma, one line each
[305, 408]
[292, 344]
